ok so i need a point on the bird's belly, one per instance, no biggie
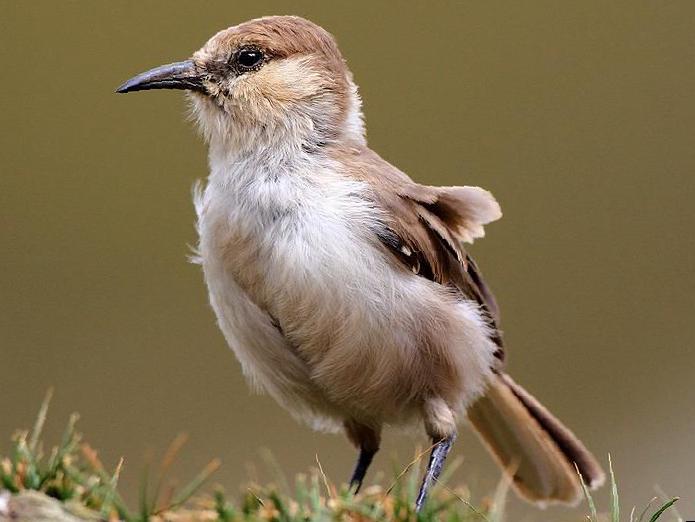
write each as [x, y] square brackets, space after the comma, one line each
[268, 361]
[324, 320]
[345, 335]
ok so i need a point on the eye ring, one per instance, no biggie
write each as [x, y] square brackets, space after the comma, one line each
[249, 58]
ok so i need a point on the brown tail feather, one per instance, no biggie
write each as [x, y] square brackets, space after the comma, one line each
[528, 440]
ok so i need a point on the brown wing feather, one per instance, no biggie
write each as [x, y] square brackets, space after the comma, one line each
[426, 227]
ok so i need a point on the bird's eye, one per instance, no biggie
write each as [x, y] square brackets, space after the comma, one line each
[249, 58]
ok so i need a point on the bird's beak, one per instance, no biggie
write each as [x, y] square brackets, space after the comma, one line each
[180, 75]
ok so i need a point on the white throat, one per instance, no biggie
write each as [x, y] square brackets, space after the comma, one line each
[275, 138]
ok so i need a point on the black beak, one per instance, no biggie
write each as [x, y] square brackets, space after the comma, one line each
[180, 75]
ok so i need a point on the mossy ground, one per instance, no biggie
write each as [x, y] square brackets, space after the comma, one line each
[70, 484]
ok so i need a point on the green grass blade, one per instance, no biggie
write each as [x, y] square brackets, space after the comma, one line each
[276, 471]
[315, 494]
[67, 444]
[40, 421]
[466, 503]
[615, 500]
[587, 495]
[145, 507]
[170, 456]
[646, 508]
[110, 495]
[663, 508]
[225, 512]
[674, 510]
[500, 497]
[195, 484]
[283, 512]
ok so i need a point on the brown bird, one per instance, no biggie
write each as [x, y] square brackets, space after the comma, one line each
[343, 286]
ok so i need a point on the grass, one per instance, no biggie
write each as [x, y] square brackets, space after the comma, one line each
[72, 474]
[614, 513]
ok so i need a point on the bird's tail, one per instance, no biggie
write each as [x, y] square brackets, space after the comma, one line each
[534, 446]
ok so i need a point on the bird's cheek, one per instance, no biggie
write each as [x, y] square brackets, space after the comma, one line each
[213, 88]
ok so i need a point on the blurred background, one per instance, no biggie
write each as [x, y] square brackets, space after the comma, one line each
[578, 116]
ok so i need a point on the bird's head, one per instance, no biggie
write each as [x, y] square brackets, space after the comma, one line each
[270, 82]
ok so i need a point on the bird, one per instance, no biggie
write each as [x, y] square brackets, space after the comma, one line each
[344, 287]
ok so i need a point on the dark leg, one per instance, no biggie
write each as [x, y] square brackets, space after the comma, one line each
[367, 439]
[434, 468]
[363, 462]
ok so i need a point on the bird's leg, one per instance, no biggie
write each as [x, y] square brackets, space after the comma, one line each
[434, 468]
[440, 424]
[363, 462]
[367, 440]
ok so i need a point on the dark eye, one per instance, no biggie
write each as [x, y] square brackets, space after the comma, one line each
[249, 58]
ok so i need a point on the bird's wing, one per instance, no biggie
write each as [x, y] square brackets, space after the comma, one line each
[425, 228]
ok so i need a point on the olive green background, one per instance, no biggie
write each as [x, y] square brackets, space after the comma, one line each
[579, 116]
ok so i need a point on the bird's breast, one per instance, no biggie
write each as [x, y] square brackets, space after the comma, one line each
[295, 243]
[371, 337]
